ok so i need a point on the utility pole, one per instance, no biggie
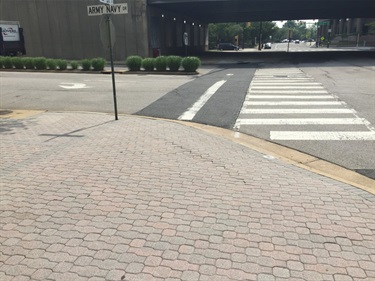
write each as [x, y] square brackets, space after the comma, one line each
[260, 37]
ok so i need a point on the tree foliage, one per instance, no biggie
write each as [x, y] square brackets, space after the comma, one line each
[228, 32]
[248, 35]
[371, 27]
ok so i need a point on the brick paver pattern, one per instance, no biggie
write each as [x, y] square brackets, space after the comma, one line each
[84, 197]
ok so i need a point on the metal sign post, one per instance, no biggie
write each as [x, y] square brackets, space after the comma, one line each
[186, 42]
[107, 32]
[108, 19]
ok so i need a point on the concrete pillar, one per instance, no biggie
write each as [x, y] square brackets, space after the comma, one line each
[341, 26]
[335, 27]
[349, 26]
[359, 24]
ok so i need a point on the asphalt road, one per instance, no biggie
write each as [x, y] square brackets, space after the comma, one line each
[219, 94]
[84, 92]
[220, 110]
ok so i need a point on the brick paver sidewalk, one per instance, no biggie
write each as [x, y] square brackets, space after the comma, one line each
[87, 198]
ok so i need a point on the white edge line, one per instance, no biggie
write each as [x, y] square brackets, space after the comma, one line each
[192, 111]
[305, 121]
[344, 136]
[298, 111]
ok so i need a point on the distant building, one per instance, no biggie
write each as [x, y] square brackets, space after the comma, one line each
[346, 32]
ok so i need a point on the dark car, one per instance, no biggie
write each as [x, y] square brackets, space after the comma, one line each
[227, 46]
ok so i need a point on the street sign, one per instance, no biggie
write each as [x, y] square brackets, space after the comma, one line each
[116, 9]
[108, 2]
[323, 22]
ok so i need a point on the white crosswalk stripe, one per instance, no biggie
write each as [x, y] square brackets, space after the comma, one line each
[291, 104]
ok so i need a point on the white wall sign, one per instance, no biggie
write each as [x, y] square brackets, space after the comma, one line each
[10, 32]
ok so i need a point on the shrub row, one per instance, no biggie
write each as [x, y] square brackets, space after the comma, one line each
[42, 63]
[162, 63]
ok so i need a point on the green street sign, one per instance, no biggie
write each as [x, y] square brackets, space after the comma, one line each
[323, 22]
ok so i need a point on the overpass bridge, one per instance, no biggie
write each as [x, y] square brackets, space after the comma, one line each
[63, 29]
[214, 11]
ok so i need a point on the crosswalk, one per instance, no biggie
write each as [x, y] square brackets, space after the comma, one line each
[293, 106]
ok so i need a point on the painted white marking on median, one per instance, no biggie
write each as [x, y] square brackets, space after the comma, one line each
[74, 86]
[294, 103]
[297, 111]
[305, 121]
[249, 97]
[192, 111]
[293, 135]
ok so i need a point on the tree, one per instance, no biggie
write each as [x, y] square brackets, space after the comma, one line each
[223, 32]
[371, 27]
[226, 32]
[290, 24]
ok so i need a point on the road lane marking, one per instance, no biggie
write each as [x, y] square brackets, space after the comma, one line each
[304, 121]
[272, 78]
[298, 111]
[294, 103]
[286, 91]
[286, 83]
[286, 87]
[321, 136]
[192, 111]
[288, 97]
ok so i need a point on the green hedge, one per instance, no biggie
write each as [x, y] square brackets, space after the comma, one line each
[98, 64]
[51, 64]
[62, 64]
[134, 63]
[191, 64]
[29, 63]
[86, 64]
[161, 63]
[40, 63]
[174, 63]
[18, 63]
[74, 65]
[7, 62]
[148, 64]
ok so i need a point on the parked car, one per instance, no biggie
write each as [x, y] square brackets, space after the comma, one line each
[267, 45]
[285, 41]
[227, 46]
[296, 41]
